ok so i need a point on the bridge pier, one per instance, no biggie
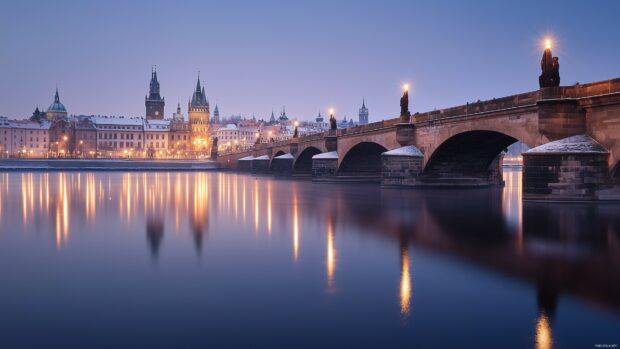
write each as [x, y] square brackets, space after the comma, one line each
[570, 169]
[260, 165]
[282, 165]
[401, 166]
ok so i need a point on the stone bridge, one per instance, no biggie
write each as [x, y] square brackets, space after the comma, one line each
[574, 133]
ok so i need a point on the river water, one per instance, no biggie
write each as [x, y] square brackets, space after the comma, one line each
[221, 260]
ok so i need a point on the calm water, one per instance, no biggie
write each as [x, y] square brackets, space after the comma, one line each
[178, 260]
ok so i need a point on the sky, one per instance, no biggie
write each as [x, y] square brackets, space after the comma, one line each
[258, 56]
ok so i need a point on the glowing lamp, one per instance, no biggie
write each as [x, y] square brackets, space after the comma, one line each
[406, 87]
[548, 43]
[331, 111]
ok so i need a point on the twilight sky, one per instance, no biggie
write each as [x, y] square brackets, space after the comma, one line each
[307, 55]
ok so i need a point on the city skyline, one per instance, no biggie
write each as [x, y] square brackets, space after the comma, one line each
[311, 56]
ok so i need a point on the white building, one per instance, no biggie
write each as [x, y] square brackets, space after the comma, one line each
[28, 138]
[156, 133]
[119, 136]
[232, 137]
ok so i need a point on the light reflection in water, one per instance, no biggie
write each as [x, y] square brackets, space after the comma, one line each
[331, 254]
[295, 224]
[269, 207]
[405, 282]
[544, 337]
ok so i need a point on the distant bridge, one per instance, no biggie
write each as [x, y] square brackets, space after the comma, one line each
[462, 145]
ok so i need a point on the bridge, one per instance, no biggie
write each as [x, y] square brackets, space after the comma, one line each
[574, 133]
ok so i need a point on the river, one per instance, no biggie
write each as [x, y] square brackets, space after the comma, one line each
[223, 260]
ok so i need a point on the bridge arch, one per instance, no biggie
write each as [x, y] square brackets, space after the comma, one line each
[471, 154]
[278, 153]
[364, 158]
[303, 162]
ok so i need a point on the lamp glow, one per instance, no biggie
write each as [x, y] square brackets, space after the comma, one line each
[406, 87]
[548, 43]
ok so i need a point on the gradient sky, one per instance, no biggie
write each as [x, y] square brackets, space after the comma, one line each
[307, 55]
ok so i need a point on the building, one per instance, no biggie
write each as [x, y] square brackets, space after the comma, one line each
[29, 138]
[85, 137]
[119, 136]
[198, 114]
[56, 110]
[233, 137]
[154, 102]
[6, 135]
[363, 114]
[156, 134]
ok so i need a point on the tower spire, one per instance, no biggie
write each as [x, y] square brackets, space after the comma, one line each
[56, 97]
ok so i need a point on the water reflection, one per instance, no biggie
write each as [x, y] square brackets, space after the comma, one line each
[556, 249]
[405, 281]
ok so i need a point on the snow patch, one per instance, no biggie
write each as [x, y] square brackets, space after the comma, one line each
[285, 156]
[264, 157]
[328, 155]
[408, 150]
[574, 144]
[246, 158]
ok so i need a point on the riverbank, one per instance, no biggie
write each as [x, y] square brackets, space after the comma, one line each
[106, 165]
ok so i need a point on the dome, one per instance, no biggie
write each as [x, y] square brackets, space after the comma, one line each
[56, 106]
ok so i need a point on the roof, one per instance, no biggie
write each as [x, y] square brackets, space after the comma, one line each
[328, 155]
[154, 125]
[247, 158]
[264, 157]
[31, 125]
[285, 156]
[408, 150]
[574, 144]
[117, 120]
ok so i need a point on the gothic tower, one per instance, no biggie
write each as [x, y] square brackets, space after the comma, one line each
[216, 115]
[153, 102]
[363, 115]
[198, 113]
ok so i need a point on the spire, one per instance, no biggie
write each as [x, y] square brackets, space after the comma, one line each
[198, 83]
[179, 108]
[363, 102]
[56, 98]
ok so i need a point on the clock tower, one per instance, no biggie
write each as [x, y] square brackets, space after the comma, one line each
[153, 102]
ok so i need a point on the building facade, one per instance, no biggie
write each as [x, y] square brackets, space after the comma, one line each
[198, 114]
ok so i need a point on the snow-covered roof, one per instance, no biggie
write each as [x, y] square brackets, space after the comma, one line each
[408, 150]
[264, 157]
[30, 125]
[246, 158]
[157, 125]
[328, 155]
[117, 120]
[285, 156]
[574, 144]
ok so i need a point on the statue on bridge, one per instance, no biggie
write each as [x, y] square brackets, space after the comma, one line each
[404, 107]
[296, 133]
[332, 122]
[550, 67]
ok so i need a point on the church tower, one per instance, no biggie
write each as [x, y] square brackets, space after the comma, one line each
[363, 114]
[153, 102]
[198, 113]
[216, 115]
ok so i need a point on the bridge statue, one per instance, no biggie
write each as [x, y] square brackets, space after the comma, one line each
[404, 107]
[550, 67]
[296, 133]
[332, 122]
